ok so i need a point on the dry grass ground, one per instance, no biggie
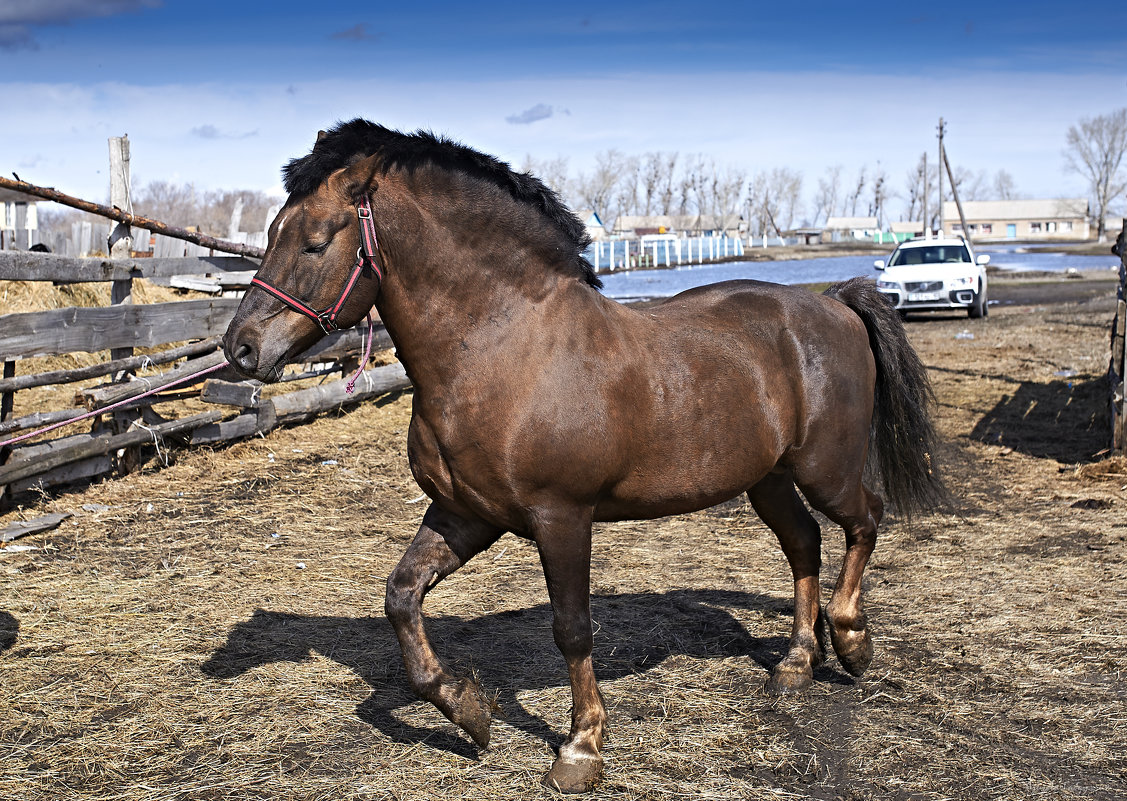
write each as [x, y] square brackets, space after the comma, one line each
[214, 629]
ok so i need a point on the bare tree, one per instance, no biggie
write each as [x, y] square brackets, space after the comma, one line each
[1003, 187]
[552, 172]
[971, 185]
[922, 189]
[854, 197]
[689, 187]
[773, 200]
[879, 196]
[627, 184]
[786, 188]
[596, 190]
[666, 186]
[177, 204]
[1096, 148]
[829, 192]
[721, 191]
[216, 209]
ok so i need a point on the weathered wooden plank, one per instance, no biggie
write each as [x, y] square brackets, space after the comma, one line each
[95, 446]
[67, 474]
[248, 424]
[40, 524]
[107, 368]
[372, 383]
[22, 265]
[48, 333]
[230, 393]
[39, 419]
[100, 397]
[130, 219]
[196, 283]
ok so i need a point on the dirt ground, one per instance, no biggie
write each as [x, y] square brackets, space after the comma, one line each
[213, 629]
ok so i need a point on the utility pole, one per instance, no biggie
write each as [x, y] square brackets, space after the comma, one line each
[942, 128]
[927, 221]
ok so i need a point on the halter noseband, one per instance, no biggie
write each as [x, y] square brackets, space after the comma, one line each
[365, 257]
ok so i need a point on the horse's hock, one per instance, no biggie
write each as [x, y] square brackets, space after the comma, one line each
[1116, 370]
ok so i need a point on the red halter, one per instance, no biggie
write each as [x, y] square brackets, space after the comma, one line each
[365, 257]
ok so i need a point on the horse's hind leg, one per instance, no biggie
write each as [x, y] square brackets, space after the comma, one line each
[858, 511]
[777, 503]
[443, 544]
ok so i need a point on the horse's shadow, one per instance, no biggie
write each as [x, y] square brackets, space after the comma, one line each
[511, 652]
[9, 630]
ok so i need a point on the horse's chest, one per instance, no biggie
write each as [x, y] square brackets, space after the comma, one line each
[450, 468]
[425, 454]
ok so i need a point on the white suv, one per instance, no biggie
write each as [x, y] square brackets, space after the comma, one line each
[932, 274]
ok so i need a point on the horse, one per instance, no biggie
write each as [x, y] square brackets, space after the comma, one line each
[540, 406]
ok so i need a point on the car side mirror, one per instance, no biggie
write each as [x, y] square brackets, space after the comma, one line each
[982, 260]
[879, 264]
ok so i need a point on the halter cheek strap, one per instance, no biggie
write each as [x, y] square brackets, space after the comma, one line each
[365, 257]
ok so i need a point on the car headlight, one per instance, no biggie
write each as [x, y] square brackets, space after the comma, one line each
[960, 283]
[887, 285]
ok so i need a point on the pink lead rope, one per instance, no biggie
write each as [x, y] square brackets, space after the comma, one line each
[113, 406]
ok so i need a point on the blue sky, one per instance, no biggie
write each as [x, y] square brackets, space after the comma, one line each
[223, 93]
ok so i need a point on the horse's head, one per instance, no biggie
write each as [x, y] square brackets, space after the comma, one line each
[320, 273]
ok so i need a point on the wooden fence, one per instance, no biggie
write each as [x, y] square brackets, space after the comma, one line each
[191, 327]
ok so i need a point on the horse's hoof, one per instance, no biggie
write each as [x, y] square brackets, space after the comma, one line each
[786, 681]
[574, 777]
[854, 649]
[471, 710]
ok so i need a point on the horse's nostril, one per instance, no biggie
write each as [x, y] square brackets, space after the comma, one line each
[245, 357]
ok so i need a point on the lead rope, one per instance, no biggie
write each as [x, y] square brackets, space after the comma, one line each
[351, 385]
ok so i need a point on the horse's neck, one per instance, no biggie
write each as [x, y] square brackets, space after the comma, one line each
[450, 312]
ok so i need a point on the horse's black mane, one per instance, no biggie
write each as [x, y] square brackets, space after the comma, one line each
[348, 142]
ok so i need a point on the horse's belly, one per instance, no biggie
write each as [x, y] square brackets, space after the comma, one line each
[684, 479]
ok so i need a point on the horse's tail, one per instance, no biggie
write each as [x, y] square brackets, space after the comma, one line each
[903, 438]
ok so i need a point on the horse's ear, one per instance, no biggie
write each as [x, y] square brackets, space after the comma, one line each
[321, 135]
[359, 179]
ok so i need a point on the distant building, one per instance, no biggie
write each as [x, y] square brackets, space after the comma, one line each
[595, 228]
[998, 220]
[19, 220]
[906, 229]
[843, 229]
[636, 225]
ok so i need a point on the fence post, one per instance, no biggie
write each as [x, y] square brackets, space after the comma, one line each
[121, 291]
[1117, 370]
[121, 237]
[7, 401]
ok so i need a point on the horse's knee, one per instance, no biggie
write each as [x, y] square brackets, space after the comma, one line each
[400, 602]
[573, 635]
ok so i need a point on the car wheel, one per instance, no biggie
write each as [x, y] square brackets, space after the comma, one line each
[978, 308]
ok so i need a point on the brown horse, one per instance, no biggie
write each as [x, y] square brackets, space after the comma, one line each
[541, 406]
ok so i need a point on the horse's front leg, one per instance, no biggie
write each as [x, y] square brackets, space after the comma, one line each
[443, 544]
[565, 553]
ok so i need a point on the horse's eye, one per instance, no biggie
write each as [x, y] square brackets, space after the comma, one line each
[317, 250]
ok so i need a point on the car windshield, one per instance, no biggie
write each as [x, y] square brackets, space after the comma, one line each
[930, 254]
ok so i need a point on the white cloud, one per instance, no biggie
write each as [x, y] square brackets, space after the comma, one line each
[754, 122]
